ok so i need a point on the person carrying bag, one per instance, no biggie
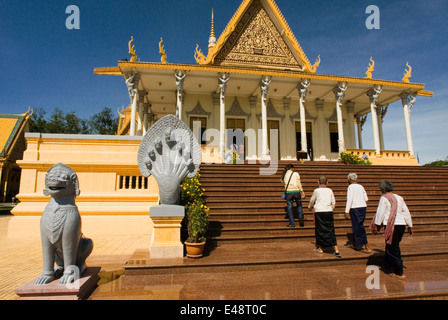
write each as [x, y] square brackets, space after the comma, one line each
[293, 192]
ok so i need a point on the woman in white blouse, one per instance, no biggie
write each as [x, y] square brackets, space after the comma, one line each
[322, 203]
[355, 210]
[394, 215]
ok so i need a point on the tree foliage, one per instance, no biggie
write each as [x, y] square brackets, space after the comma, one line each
[103, 123]
[438, 163]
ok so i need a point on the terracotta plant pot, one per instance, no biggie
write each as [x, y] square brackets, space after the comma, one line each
[194, 250]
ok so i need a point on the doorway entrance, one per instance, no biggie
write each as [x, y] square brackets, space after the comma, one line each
[274, 125]
[235, 136]
[202, 139]
[309, 138]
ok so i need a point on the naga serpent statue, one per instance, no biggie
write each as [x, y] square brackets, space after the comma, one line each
[170, 152]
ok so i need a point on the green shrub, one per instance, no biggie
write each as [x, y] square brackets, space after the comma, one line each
[350, 158]
[193, 198]
[197, 223]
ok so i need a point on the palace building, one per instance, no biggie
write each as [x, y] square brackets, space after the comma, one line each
[256, 76]
[254, 79]
[12, 146]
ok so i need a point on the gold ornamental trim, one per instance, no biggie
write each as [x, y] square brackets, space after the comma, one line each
[273, 73]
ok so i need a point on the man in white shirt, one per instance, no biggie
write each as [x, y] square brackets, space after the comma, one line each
[355, 210]
[322, 203]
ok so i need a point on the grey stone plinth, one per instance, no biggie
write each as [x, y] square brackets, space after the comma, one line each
[81, 289]
[167, 211]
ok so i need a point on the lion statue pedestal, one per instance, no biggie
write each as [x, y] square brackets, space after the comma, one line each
[64, 248]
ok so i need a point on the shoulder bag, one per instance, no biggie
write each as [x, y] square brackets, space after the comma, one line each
[284, 193]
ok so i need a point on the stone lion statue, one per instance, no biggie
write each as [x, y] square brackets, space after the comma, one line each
[62, 241]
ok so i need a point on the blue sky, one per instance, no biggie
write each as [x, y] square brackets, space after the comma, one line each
[46, 65]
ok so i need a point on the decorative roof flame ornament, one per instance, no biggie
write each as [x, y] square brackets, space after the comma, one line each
[199, 56]
[162, 52]
[370, 69]
[132, 50]
[407, 73]
[315, 65]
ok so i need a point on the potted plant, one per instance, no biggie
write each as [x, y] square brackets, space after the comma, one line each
[192, 197]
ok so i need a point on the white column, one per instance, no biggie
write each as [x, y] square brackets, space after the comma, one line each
[140, 119]
[146, 110]
[141, 100]
[360, 121]
[408, 100]
[223, 78]
[339, 93]
[180, 76]
[374, 95]
[264, 86]
[132, 85]
[288, 132]
[303, 91]
[321, 129]
[134, 113]
[351, 139]
[381, 110]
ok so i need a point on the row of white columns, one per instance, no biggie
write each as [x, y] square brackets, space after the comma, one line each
[139, 125]
[377, 112]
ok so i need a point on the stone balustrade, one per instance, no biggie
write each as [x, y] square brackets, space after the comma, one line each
[387, 157]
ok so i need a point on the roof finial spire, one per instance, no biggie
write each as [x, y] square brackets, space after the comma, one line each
[212, 39]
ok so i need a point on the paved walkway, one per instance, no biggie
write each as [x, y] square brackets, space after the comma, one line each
[21, 262]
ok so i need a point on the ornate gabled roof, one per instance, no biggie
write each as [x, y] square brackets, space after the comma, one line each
[12, 127]
[258, 35]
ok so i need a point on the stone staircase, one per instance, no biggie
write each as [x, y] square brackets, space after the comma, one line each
[248, 236]
[246, 206]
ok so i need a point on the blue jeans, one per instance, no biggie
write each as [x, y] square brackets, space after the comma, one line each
[290, 198]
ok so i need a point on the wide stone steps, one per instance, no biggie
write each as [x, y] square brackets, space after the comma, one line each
[288, 269]
[277, 230]
[290, 253]
[246, 206]
[278, 220]
[248, 236]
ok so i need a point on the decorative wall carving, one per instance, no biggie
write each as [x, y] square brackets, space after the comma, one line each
[256, 40]
[237, 110]
[199, 111]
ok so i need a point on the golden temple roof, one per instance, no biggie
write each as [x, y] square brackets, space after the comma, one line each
[11, 127]
[258, 35]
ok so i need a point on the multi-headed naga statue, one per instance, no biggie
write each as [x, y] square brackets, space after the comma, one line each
[170, 152]
[60, 227]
